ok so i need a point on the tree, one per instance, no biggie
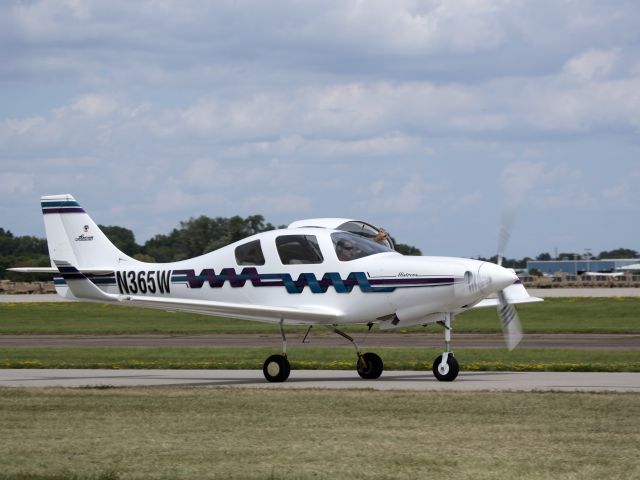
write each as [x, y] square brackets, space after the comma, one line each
[569, 256]
[23, 245]
[407, 249]
[122, 238]
[543, 257]
[619, 253]
[203, 234]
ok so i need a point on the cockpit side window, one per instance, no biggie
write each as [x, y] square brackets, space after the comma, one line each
[364, 230]
[250, 254]
[351, 247]
[298, 249]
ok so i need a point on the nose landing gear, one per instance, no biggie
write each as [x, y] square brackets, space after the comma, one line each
[445, 367]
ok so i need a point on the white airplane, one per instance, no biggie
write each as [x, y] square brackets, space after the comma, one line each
[326, 272]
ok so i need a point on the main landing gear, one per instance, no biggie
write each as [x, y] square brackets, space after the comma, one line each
[369, 364]
[445, 367]
[276, 368]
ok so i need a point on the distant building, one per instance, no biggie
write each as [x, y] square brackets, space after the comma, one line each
[577, 267]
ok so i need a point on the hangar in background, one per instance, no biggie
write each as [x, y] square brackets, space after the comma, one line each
[576, 267]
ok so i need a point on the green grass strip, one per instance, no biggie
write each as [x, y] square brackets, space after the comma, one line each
[555, 315]
[312, 358]
[212, 433]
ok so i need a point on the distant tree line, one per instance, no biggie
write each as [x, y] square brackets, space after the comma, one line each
[193, 237]
[200, 235]
[24, 251]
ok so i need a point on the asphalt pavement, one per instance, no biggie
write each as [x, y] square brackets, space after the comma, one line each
[326, 379]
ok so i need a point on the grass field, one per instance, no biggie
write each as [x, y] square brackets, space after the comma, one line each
[310, 358]
[555, 315]
[602, 315]
[188, 433]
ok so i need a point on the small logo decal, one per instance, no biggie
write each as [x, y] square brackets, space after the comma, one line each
[84, 238]
[86, 228]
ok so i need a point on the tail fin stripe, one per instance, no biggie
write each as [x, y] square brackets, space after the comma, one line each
[63, 210]
[58, 206]
[65, 203]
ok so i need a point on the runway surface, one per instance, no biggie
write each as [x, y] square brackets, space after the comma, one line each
[325, 379]
[589, 341]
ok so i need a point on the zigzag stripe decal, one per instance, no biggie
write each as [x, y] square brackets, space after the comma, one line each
[132, 281]
[329, 279]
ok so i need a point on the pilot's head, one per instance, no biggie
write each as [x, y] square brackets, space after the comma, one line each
[344, 248]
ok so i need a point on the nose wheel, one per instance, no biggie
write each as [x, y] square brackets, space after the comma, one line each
[445, 367]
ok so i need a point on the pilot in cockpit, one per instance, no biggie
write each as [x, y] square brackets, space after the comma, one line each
[344, 249]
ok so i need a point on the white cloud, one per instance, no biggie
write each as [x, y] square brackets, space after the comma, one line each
[317, 109]
[94, 105]
[624, 192]
[11, 183]
[520, 178]
[592, 64]
[391, 197]
[278, 203]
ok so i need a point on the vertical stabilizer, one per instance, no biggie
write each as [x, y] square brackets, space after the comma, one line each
[74, 238]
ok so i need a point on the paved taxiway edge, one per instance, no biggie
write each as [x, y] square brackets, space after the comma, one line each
[326, 379]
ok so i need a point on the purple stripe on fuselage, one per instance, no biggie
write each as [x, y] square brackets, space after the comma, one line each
[413, 281]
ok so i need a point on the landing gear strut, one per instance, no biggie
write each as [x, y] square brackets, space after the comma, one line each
[369, 365]
[445, 367]
[276, 368]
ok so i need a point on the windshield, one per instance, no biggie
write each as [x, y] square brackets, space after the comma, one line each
[351, 247]
[367, 231]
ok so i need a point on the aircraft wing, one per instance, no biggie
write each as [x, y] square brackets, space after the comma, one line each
[262, 313]
[515, 293]
[83, 288]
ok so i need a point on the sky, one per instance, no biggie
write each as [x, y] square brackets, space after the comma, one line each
[429, 118]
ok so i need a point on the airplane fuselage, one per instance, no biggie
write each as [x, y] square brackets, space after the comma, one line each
[384, 286]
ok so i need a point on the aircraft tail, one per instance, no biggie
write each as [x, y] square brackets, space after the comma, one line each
[74, 238]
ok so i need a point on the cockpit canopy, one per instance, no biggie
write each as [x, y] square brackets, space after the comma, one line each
[357, 227]
[350, 246]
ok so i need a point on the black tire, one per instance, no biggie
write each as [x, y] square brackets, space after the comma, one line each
[276, 368]
[453, 370]
[370, 366]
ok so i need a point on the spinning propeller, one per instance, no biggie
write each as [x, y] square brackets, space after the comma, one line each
[509, 319]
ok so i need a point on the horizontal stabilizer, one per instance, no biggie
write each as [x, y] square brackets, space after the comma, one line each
[54, 270]
[81, 287]
[51, 270]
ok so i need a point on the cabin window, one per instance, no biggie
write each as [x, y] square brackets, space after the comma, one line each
[351, 247]
[298, 249]
[250, 254]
